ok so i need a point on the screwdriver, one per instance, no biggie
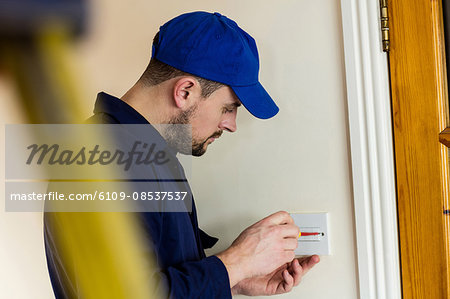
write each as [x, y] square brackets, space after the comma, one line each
[304, 234]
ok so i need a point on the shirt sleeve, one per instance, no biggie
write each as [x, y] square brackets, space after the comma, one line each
[207, 240]
[182, 275]
[207, 278]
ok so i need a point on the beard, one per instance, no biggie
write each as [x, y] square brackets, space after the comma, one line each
[199, 147]
[179, 135]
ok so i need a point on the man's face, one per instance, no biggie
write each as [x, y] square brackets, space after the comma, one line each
[213, 115]
[208, 119]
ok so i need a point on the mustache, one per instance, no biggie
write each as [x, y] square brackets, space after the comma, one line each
[216, 135]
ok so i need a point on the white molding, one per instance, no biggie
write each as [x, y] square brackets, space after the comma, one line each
[369, 115]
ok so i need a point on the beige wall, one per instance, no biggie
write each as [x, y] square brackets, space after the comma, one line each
[298, 161]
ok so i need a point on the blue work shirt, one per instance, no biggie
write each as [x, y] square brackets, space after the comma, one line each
[174, 237]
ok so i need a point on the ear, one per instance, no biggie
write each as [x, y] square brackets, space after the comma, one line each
[186, 92]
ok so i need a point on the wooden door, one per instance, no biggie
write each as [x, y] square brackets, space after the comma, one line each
[420, 115]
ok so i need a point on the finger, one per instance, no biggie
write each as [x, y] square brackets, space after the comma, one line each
[289, 231]
[288, 283]
[290, 244]
[296, 271]
[281, 217]
[309, 262]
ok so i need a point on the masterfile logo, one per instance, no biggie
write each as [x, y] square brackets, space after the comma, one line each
[141, 153]
[98, 152]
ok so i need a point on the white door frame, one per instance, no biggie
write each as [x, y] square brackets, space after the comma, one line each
[372, 155]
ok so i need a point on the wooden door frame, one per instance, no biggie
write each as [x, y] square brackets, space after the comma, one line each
[422, 195]
[372, 155]
[419, 105]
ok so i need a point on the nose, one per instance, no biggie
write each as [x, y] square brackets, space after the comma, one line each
[228, 122]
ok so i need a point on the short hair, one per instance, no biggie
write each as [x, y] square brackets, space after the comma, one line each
[158, 72]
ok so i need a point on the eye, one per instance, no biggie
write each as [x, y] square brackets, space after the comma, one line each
[227, 110]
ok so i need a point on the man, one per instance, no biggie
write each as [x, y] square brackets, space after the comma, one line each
[203, 68]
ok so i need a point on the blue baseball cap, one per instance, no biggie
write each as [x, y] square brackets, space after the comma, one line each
[213, 47]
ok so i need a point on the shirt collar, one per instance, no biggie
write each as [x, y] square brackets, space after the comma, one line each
[125, 114]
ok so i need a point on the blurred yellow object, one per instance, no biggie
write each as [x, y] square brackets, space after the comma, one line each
[58, 64]
[103, 254]
[42, 69]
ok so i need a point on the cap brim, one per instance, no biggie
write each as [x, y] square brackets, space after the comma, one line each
[256, 100]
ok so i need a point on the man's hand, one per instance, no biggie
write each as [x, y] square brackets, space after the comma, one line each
[280, 281]
[261, 248]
